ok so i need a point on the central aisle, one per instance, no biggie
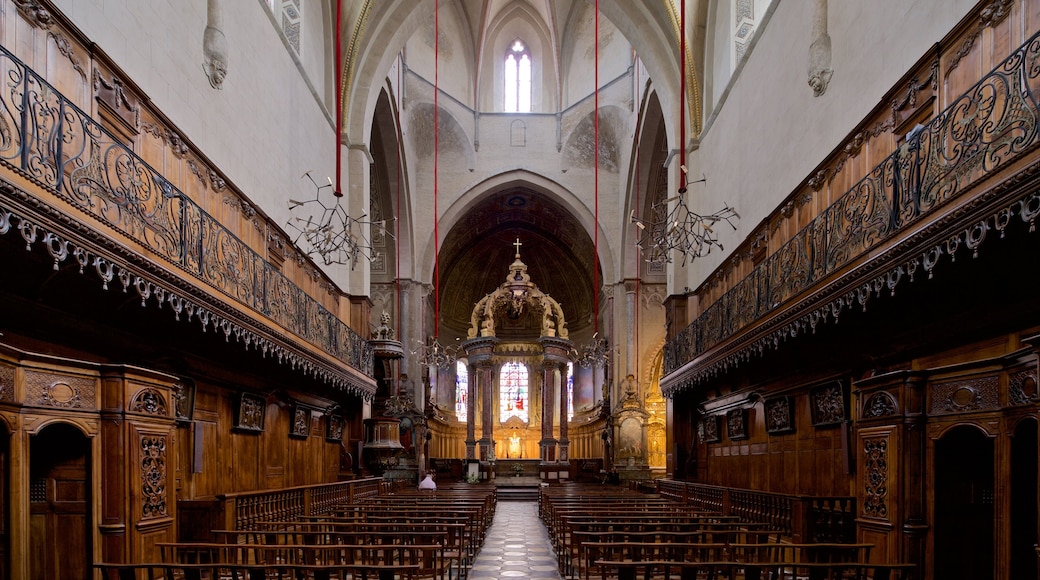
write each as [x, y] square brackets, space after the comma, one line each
[517, 545]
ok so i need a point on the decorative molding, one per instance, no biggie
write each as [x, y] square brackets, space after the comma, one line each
[879, 404]
[779, 415]
[113, 93]
[59, 391]
[1022, 387]
[34, 13]
[153, 477]
[64, 46]
[216, 181]
[875, 478]
[249, 416]
[990, 16]
[149, 401]
[6, 383]
[964, 396]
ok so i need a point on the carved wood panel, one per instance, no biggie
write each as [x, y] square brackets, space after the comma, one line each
[6, 383]
[964, 395]
[59, 391]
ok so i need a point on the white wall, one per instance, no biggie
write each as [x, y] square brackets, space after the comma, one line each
[265, 128]
[770, 132]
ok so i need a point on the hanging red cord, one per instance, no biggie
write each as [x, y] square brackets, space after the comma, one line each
[595, 225]
[682, 94]
[397, 223]
[338, 192]
[436, 143]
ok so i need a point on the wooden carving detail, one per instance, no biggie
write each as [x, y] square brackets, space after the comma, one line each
[251, 409]
[149, 401]
[61, 392]
[710, 429]
[301, 422]
[827, 404]
[153, 476]
[990, 16]
[1022, 387]
[184, 399]
[879, 404]
[779, 418]
[736, 424]
[34, 12]
[875, 478]
[333, 427]
[978, 394]
[6, 383]
[113, 93]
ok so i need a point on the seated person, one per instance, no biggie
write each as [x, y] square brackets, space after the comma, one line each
[427, 482]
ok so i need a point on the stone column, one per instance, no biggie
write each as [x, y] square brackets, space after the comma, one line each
[555, 353]
[481, 379]
[547, 445]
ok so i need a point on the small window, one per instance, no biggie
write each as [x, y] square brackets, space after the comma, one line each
[518, 78]
[513, 392]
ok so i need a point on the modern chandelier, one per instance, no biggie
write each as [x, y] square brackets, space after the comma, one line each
[323, 226]
[680, 229]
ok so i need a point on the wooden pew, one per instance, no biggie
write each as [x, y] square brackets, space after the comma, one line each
[630, 570]
[168, 571]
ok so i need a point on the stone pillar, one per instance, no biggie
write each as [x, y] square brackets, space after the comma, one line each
[481, 379]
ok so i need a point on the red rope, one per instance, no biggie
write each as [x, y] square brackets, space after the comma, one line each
[682, 93]
[397, 224]
[436, 143]
[338, 192]
[595, 225]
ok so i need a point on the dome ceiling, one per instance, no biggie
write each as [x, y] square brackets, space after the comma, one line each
[477, 252]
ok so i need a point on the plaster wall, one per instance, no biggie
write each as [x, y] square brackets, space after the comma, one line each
[265, 128]
[770, 132]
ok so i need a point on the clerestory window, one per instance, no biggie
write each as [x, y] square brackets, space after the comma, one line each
[518, 78]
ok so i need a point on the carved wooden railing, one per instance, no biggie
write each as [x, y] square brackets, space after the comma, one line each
[984, 130]
[52, 142]
[241, 511]
[803, 518]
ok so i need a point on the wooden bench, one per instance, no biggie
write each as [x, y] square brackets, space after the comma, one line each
[630, 570]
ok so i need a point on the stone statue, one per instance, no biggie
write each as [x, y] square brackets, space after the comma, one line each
[214, 45]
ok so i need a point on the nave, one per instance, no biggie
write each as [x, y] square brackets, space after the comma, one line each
[517, 545]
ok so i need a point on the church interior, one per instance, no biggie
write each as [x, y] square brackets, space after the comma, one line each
[765, 264]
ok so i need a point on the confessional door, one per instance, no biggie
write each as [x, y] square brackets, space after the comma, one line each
[964, 516]
[5, 508]
[1023, 509]
[59, 504]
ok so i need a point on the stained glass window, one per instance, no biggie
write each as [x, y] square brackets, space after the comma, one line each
[461, 391]
[514, 392]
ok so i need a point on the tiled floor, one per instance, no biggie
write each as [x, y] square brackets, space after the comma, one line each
[517, 545]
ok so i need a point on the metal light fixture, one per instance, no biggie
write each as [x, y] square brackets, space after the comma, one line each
[432, 353]
[325, 229]
[680, 229]
[594, 354]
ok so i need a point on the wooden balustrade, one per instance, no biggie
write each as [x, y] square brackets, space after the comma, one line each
[242, 511]
[804, 518]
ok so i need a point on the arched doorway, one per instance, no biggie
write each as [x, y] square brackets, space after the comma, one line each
[1023, 561]
[963, 501]
[59, 504]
